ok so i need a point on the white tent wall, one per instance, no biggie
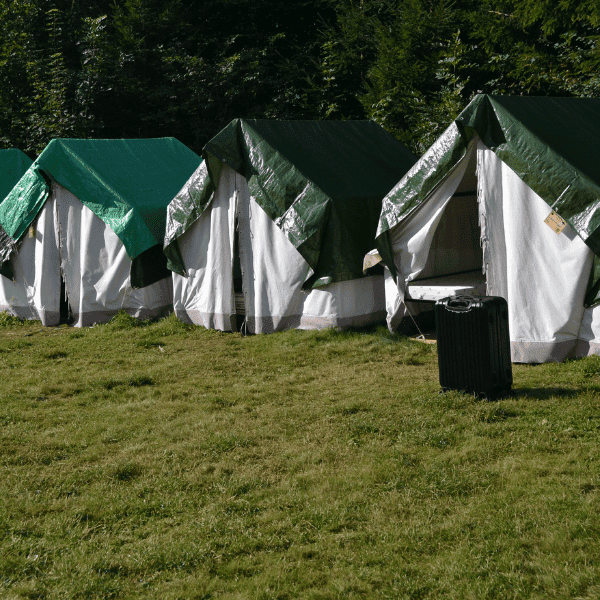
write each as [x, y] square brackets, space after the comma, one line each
[589, 333]
[273, 272]
[70, 238]
[96, 268]
[542, 275]
[205, 296]
[35, 292]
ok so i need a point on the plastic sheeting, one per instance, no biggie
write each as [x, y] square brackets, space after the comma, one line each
[320, 182]
[273, 272]
[126, 183]
[69, 241]
[13, 165]
[550, 143]
[204, 296]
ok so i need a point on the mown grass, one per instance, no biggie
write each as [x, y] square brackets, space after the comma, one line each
[159, 460]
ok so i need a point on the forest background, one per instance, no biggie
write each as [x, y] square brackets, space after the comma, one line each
[154, 68]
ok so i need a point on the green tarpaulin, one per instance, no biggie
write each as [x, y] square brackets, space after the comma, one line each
[321, 182]
[13, 164]
[552, 144]
[127, 183]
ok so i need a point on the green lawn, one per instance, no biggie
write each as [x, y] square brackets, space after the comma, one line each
[166, 461]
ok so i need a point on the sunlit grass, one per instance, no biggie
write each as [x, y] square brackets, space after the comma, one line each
[160, 460]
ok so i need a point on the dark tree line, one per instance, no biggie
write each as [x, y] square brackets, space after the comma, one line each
[149, 68]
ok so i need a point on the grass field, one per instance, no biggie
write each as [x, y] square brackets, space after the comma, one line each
[166, 461]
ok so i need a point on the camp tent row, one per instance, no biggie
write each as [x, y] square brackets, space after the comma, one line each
[505, 203]
[269, 231]
[83, 229]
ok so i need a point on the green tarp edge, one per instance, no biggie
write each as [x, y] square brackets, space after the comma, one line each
[84, 182]
[567, 190]
[115, 193]
[276, 178]
[13, 165]
[272, 179]
[197, 194]
[426, 175]
[187, 207]
[15, 215]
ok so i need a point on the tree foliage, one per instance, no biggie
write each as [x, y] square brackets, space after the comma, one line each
[148, 68]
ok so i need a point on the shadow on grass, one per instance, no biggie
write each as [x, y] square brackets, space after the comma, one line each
[132, 381]
[7, 320]
[455, 397]
[544, 393]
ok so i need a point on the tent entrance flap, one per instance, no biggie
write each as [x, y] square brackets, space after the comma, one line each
[454, 262]
[149, 267]
[240, 240]
[65, 311]
[455, 245]
[238, 288]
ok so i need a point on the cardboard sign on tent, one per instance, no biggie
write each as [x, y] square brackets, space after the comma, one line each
[505, 203]
[270, 231]
[82, 230]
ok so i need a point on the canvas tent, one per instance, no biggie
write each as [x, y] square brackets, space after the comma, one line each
[506, 202]
[272, 228]
[84, 226]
